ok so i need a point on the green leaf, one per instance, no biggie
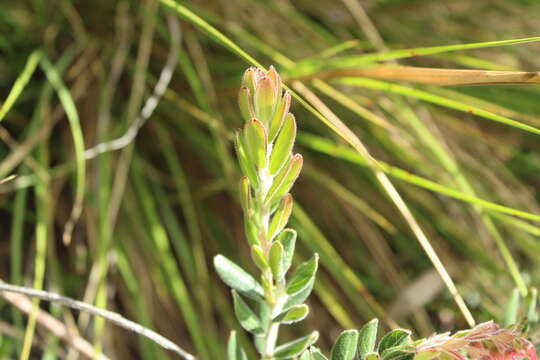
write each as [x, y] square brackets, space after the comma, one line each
[265, 98]
[234, 276]
[276, 260]
[248, 79]
[264, 313]
[303, 276]
[284, 144]
[245, 194]
[295, 314]
[285, 180]
[246, 317]
[372, 356]
[256, 142]
[324, 146]
[281, 216]
[394, 338]
[287, 238]
[367, 338]
[316, 354]
[252, 230]
[258, 258]
[279, 116]
[245, 103]
[439, 100]
[276, 80]
[247, 165]
[296, 347]
[279, 178]
[260, 342]
[511, 312]
[306, 68]
[300, 297]
[404, 352]
[345, 346]
[234, 350]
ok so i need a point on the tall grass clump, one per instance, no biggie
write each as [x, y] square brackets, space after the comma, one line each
[264, 150]
[417, 186]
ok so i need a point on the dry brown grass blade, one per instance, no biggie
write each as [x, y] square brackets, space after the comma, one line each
[433, 76]
[7, 179]
[335, 123]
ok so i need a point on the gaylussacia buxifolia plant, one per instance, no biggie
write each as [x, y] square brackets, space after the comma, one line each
[264, 147]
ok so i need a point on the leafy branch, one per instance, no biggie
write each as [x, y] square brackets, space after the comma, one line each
[264, 148]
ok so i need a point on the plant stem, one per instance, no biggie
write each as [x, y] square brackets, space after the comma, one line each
[272, 293]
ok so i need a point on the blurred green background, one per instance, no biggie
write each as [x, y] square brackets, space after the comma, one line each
[156, 211]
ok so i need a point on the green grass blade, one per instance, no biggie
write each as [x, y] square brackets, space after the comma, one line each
[345, 153]
[211, 31]
[78, 142]
[20, 83]
[361, 60]
[149, 350]
[341, 272]
[438, 100]
[168, 263]
[448, 162]
[41, 231]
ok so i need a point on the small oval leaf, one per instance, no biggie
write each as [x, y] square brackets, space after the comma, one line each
[300, 297]
[248, 79]
[404, 352]
[296, 347]
[251, 229]
[265, 98]
[245, 194]
[394, 338]
[246, 317]
[279, 116]
[316, 354]
[256, 142]
[345, 346]
[245, 103]
[234, 276]
[284, 144]
[258, 258]
[296, 314]
[276, 80]
[303, 275]
[283, 183]
[276, 260]
[287, 238]
[367, 338]
[281, 216]
[247, 165]
[234, 350]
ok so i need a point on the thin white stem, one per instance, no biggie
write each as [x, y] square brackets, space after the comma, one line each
[151, 102]
[271, 340]
[110, 316]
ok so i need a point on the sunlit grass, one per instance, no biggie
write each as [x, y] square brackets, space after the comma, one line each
[465, 160]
